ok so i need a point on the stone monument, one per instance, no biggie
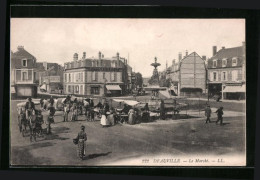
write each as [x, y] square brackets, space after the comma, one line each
[155, 77]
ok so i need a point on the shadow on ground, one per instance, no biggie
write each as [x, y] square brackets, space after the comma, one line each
[92, 156]
[22, 155]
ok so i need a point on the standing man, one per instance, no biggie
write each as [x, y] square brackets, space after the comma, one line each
[208, 113]
[50, 118]
[162, 110]
[220, 115]
[29, 108]
[51, 100]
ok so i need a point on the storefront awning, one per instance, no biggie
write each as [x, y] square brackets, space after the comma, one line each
[234, 89]
[113, 87]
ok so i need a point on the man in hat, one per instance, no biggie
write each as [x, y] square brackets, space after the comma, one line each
[51, 100]
[208, 113]
[220, 115]
[29, 107]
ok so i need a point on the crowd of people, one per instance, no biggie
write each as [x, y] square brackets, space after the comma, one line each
[108, 115]
[104, 112]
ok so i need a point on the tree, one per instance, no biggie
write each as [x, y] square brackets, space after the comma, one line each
[164, 82]
[138, 79]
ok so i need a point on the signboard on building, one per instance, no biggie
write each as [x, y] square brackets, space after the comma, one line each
[54, 79]
[50, 79]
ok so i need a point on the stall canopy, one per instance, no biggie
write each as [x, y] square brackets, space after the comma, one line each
[164, 95]
[113, 88]
[234, 89]
[44, 86]
[128, 102]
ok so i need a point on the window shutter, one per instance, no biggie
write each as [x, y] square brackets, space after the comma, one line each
[115, 74]
[96, 76]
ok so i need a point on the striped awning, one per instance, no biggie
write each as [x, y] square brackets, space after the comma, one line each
[113, 87]
[234, 89]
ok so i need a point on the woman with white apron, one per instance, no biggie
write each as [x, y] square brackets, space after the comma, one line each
[104, 121]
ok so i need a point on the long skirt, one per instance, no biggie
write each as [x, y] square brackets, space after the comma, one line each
[104, 121]
[131, 118]
[81, 149]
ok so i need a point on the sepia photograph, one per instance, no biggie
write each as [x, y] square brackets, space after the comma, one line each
[127, 92]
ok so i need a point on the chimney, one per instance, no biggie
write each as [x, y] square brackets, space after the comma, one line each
[75, 56]
[126, 61]
[20, 48]
[186, 52]
[223, 47]
[204, 58]
[117, 56]
[180, 56]
[84, 55]
[102, 55]
[173, 62]
[214, 50]
[99, 55]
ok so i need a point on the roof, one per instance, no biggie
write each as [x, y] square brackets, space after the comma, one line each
[40, 66]
[229, 53]
[22, 53]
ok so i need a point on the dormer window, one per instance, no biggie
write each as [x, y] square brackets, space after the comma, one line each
[113, 64]
[214, 63]
[224, 62]
[24, 62]
[234, 61]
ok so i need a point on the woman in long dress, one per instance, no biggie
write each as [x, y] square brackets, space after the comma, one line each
[82, 138]
[104, 121]
[131, 117]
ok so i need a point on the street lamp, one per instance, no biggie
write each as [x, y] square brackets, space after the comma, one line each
[208, 88]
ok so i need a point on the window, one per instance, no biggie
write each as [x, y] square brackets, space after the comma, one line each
[224, 62]
[72, 77]
[214, 76]
[224, 76]
[24, 62]
[69, 89]
[104, 75]
[234, 75]
[112, 76]
[94, 90]
[24, 76]
[81, 89]
[77, 89]
[69, 78]
[234, 61]
[214, 63]
[81, 77]
[94, 76]
[65, 78]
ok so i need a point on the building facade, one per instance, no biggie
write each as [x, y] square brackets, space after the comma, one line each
[23, 73]
[226, 72]
[50, 77]
[188, 76]
[95, 76]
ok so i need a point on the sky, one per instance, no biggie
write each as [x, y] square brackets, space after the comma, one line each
[139, 40]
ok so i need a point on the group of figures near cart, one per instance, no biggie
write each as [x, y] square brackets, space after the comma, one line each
[30, 119]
